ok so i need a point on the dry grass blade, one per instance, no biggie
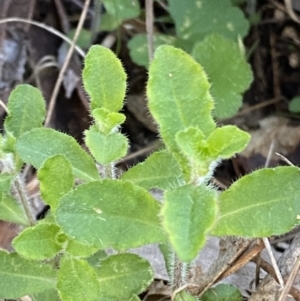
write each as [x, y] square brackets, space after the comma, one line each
[65, 65]
[48, 28]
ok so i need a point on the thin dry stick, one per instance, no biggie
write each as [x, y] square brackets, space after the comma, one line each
[3, 105]
[66, 63]
[285, 159]
[48, 28]
[149, 28]
[265, 239]
[290, 11]
[290, 280]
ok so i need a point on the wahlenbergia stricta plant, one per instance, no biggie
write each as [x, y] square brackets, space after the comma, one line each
[63, 256]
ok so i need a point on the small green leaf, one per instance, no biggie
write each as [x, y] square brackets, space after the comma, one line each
[113, 214]
[159, 170]
[38, 242]
[178, 93]
[5, 182]
[122, 9]
[77, 280]
[188, 213]
[48, 295]
[106, 149]
[261, 204]
[106, 121]
[20, 277]
[227, 69]
[84, 38]
[122, 276]
[38, 145]
[196, 19]
[26, 108]
[192, 143]
[224, 142]
[138, 47]
[79, 249]
[104, 79]
[294, 105]
[11, 210]
[222, 292]
[56, 179]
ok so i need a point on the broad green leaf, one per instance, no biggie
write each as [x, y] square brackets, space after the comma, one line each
[261, 204]
[222, 292]
[48, 295]
[195, 19]
[224, 142]
[138, 47]
[109, 22]
[5, 182]
[107, 121]
[38, 242]
[294, 105]
[56, 179]
[178, 93]
[110, 214]
[20, 277]
[26, 108]
[188, 213]
[122, 276]
[38, 145]
[159, 170]
[104, 79]
[227, 69]
[79, 249]
[11, 210]
[77, 280]
[122, 9]
[106, 149]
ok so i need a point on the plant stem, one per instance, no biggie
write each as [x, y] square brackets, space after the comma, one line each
[21, 194]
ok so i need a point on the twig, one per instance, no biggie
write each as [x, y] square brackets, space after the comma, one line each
[3, 105]
[48, 28]
[290, 280]
[285, 159]
[290, 11]
[66, 63]
[265, 239]
[149, 28]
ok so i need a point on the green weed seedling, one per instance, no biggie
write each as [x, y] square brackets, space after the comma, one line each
[63, 257]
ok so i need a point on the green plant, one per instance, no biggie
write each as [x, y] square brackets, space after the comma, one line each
[211, 31]
[63, 256]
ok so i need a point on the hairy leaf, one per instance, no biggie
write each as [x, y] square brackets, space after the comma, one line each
[26, 108]
[178, 93]
[38, 242]
[159, 170]
[260, 204]
[56, 179]
[77, 280]
[129, 273]
[110, 214]
[188, 213]
[11, 210]
[106, 149]
[224, 142]
[38, 145]
[227, 69]
[104, 79]
[20, 277]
